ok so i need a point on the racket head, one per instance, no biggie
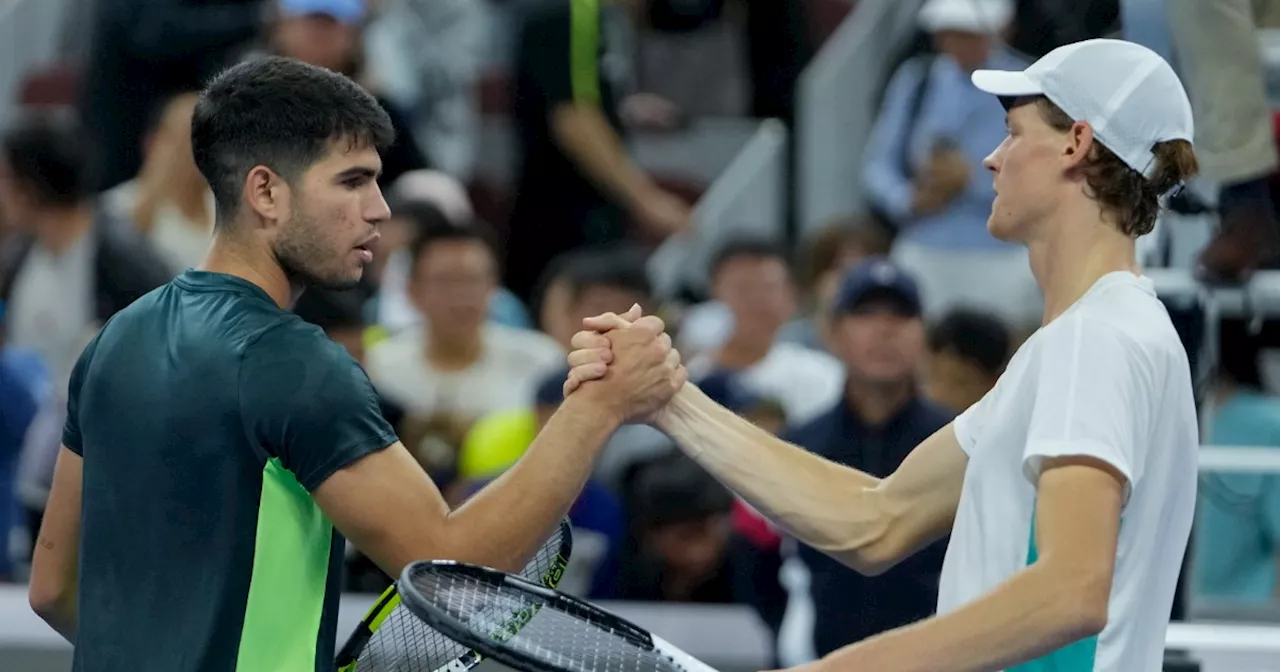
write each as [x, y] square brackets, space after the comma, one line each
[530, 627]
[390, 637]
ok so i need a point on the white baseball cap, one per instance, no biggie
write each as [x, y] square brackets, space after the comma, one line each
[1126, 92]
[983, 17]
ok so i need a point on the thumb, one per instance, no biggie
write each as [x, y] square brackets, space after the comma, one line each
[611, 321]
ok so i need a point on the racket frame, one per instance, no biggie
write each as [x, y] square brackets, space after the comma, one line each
[349, 654]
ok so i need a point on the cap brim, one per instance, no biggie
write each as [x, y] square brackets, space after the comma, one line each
[1005, 83]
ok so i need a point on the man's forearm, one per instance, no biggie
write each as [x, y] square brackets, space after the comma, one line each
[1035, 612]
[583, 134]
[505, 523]
[828, 506]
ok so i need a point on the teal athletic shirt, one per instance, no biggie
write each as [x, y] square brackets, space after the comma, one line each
[205, 415]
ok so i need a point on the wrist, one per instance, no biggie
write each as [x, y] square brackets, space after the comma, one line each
[595, 407]
[681, 407]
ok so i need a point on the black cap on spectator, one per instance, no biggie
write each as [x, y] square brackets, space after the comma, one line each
[550, 391]
[49, 155]
[330, 309]
[877, 279]
[620, 266]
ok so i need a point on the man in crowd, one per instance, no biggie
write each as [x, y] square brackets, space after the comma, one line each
[575, 183]
[878, 334]
[968, 350]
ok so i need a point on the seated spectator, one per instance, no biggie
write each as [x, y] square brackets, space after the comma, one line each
[1237, 528]
[328, 33]
[74, 266]
[680, 533]
[968, 351]
[878, 334]
[752, 279]
[457, 366]
[169, 201]
[425, 56]
[599, 527]
[924, 171]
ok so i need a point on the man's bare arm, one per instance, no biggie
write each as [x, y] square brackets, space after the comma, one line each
[581, 131]
[867, 523]
[55, 564]
[392, 511]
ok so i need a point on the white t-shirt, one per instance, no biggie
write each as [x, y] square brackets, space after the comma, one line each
[511, 365]
[1108, 379]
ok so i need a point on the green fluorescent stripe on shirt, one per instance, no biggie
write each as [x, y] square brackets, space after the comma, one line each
[1078, 656]
[290, 570]
[584, 50]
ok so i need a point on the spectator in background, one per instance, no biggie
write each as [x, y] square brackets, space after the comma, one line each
[968, 351]
[1219, 60]
[19, 401]
[328, 33]
[924, 172]
[75, 266]
[680, 531]
[878, 334]
[143, 52]
[575, 183]
[169, 200]
[1237, 531]
[425, 57]
[752, 278]
[457, 366]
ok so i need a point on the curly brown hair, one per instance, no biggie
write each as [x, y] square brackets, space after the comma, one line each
[1121, 190]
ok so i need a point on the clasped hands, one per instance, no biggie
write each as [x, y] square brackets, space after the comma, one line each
[626, 363]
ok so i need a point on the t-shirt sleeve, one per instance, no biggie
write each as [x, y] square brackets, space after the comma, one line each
[1091, 400]
[71, 437]
[968, 424]
[306, 402]
[565, 52]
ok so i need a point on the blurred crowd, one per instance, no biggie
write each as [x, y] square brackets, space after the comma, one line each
[855, 342]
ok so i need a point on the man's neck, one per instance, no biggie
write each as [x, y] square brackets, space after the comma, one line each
[876, 403]
[58, 229]
[1073, 253]
[744, 350]
[233, 257]
[453, 353]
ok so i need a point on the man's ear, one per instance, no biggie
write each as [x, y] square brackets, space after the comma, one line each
[267, 194]
[1077, 143]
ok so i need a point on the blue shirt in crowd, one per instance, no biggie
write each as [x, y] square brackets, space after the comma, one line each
[953, 110]
[1237, 531]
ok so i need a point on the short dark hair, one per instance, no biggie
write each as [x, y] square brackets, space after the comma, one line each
[280, 113]
[1239, 351]
[330, 309]
[754, 248]
[50, 155]
[973, 335]
[617, 267]
[432, 230]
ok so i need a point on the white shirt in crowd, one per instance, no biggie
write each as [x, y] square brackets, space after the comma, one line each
[806, 382]
[1108, 379]
[51, 310]
[511, 365]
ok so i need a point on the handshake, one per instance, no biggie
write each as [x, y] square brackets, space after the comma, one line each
[625, 364]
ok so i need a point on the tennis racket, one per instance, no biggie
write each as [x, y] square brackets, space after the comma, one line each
[530, 627]
[392, 638]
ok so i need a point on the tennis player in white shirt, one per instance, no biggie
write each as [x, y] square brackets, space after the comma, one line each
[1069, 489]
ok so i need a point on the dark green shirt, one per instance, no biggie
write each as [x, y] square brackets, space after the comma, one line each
[205, 415]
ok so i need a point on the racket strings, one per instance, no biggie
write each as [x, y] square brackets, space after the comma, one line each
[403, 643]
[561, 635]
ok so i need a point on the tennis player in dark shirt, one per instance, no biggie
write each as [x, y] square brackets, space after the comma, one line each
[217, 447]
